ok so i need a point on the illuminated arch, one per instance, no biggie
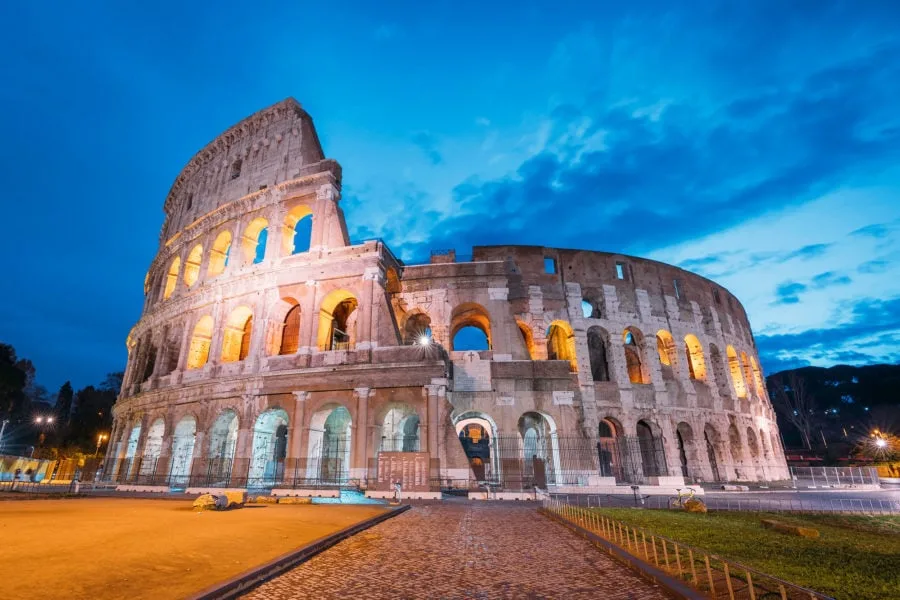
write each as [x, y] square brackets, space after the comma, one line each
[238, 330]
[183, 439]
[416, 328]
[290, 331]
[561, 344]
[253, 242]
[192, 265]
[297, 229]
[527, 338]
[633, 341]
[337, 321]
[695, 360]
[470, 314]
[758, 378]
[218, 256]
[172, 277]
[747, 373]
[201, 338]
[734, 366]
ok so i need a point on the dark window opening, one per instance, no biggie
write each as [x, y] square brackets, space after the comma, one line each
[236, 169]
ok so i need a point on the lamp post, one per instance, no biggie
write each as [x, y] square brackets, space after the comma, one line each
[100, 439]
[2, 429]
[43, 423]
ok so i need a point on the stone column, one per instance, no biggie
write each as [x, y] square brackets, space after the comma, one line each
[296, 431]
[372, 281]
[359, 461]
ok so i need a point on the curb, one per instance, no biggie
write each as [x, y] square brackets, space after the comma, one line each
[244, 582]
[647, 571]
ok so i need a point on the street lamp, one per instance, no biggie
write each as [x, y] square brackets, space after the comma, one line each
[43, 422]
[100, 439]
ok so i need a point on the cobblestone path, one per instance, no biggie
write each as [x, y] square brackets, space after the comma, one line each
[471, 551]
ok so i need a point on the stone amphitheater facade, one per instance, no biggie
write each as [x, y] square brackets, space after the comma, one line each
[272, 349]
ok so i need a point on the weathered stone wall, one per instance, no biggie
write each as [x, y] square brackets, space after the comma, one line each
[195, 354]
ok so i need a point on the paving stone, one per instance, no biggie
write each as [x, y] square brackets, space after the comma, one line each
[466, 551]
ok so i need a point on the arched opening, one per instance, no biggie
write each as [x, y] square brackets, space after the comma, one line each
[152, 448]
[737, 451]
[527, 338]
[561, 344]
[297, 231]
[694, 353]
[222, 442]
[131, 449]
[719, 372]
[290, 331]
[218, 256]
[711, 438]
[182, 451]
[470, 328]
[172, 277]
[329, 444]
[633, 341]
[665, 347]
[540, 449]
[587, 308]
[253, 242]
[652, 457]
[597, 339]
[735, 367]
[688, 455]
[238, 331]
[477, 433]
[751, 443]
[269, 448]
[149, 362]
[417, 329]
[192, 265]
[758, 378]
[609, 449]
[747, 373]
[764, 445]
[201, 338]
[400, 430]
[337, 321]
[171, 349]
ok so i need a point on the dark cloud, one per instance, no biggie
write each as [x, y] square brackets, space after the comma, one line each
[427, 143]
[684, 174]
[857, 322]
[876, 230]
[829, 279]
[788, 292]
[873, 266]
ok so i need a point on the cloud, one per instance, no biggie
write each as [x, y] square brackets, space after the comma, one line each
[858, 323]
[876, 230]
[829, 279]
[873, 266]
[427, 143]
[789, 292]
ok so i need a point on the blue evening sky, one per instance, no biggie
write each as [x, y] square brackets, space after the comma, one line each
[757, 143]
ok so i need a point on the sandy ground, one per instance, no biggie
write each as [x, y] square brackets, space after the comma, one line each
[130, 548]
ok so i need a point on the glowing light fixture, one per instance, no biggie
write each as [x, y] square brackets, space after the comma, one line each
[424, 340]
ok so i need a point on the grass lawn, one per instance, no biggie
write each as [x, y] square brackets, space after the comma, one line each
[135, 548]
[856, 556]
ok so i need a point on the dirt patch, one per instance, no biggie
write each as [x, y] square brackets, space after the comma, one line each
[131, 548]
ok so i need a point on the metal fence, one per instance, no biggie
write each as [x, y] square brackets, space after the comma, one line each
[819, 477]
[708, 573]
[795, 504]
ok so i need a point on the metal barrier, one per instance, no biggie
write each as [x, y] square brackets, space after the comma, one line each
[708, 573]
[865, 506]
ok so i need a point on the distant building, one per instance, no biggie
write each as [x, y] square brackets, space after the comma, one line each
[273, 352]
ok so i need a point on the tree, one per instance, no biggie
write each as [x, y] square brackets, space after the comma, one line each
[797, 405]
[12, 384]
[64, 403]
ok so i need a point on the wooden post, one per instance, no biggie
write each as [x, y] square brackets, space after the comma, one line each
[783, 592]
[693, 567]
[665, 553]
[677, 558]
[655, 555]
[712, 585]
[644, 539]
[728, 580]
[750, 586]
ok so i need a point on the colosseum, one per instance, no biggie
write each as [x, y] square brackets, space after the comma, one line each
[274, 353]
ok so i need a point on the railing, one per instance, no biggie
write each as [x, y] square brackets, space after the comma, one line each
[799, 504]
[708, 573]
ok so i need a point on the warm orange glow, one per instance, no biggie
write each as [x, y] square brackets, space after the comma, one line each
[219, 254]
[735, 367]
[561, 344]
[294, 216]
[665, 347]
[337, 321]
[250, 239]
[696, 361]
[172, 278]
[238, 329]
[192, 265]
[198, 352]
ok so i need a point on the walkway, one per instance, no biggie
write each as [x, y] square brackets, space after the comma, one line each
[472, 551]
